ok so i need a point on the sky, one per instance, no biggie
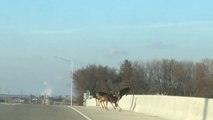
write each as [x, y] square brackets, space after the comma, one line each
[37, 35]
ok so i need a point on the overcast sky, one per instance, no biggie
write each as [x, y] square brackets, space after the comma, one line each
[102, 32]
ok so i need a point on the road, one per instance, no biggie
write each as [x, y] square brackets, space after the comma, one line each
[42, 112]
[38, 112]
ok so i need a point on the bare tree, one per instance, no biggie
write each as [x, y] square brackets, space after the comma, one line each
[126, 71]
[139, 84]
[203, 84]
[93, 78]
[171, 77]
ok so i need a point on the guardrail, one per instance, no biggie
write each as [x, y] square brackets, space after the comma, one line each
[169, 107]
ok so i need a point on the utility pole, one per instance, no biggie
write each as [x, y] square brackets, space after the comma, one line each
[0, 94]
[21, 93]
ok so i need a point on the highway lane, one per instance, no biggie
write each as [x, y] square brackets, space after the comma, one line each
[38, 112]
[45, 112]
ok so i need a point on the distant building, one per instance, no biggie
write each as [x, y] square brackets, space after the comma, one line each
[46, 100]
[59, 101]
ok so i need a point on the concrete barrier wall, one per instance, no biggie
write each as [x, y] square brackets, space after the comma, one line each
[175, 108]
[209, 110]
[90, 102]
[170, 107]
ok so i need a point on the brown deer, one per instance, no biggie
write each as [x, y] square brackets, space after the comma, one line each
[104, 97]
[99, 99]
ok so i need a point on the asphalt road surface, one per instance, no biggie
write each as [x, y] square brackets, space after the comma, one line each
[38, 112]
[45, 112]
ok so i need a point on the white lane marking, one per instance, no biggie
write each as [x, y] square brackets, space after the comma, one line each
[80, 113]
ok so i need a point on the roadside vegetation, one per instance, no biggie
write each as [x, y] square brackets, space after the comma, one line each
[167, 77]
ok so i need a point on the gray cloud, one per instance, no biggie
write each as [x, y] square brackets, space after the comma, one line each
[180, 24]
[52, 32]
[161, 45]
[117, 51]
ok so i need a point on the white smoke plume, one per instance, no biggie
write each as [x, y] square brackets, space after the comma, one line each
[47, 91]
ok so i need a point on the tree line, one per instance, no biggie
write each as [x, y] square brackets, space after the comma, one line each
[167, 77]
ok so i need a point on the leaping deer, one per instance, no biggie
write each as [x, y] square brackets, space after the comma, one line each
[123, 92]
[104, 97]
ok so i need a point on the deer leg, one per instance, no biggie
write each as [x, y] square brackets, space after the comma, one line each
[118, 107]
[113, 106]
[101, 102]
[106, 106]
[97, 102]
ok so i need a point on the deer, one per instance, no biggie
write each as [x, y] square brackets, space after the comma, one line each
[113, 99]
[99, 99]
[123, 92]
